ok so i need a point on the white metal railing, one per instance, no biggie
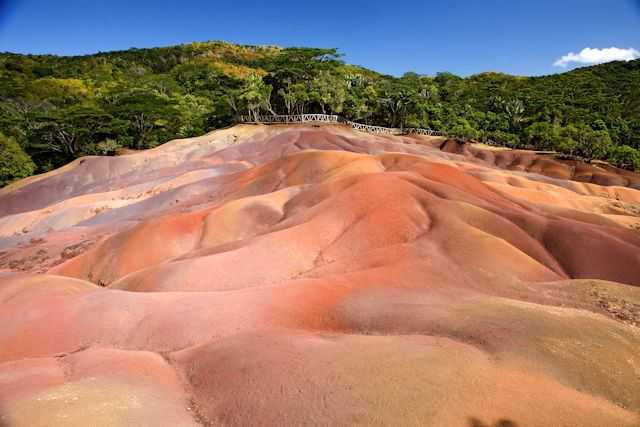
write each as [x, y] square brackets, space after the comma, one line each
[429, 132]
[328, 118]
[299, 118]
[373, 129]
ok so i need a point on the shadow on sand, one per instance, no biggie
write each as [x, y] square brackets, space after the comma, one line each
[474, 422]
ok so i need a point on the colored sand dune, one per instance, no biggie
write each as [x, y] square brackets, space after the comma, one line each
[314, 275]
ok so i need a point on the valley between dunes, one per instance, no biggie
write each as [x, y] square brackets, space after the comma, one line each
[314, 275]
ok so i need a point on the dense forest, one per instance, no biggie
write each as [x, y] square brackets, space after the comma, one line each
[55, 109]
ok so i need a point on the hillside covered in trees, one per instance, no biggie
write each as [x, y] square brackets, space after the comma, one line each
[55, 109]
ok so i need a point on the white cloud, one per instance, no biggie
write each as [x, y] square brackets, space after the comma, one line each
[597, 56]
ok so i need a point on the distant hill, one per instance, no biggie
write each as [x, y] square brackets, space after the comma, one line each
[55, 109]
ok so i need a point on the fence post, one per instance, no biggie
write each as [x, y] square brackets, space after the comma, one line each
[326, 118]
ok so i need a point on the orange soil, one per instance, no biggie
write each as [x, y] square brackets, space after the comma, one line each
[293, 275]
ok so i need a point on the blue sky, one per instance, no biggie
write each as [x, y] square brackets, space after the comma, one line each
[392, 36]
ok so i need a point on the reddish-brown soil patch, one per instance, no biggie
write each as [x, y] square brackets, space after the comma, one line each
[298, 275]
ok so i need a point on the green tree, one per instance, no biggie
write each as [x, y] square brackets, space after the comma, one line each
[294, 96]
[503, 138]
[625, 157]
[328, 90]
[589, 143]
[14, 162]
[148, 115]
[463, 129]
[65, 133]
[256, 95]
[514, 109]
[60, 91]
[398, 98]
[194, 112]
[542, 135]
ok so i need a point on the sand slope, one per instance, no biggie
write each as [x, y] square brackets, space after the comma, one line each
[301, 275]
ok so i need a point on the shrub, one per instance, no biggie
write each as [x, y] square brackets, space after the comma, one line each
[108, 147]
[462, 129]
[503, 138]
[625, 157]
[14, 162]
[542, 135]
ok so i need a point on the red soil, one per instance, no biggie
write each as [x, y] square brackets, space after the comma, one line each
[292, 275]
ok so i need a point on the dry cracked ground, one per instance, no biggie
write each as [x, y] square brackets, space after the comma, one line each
[305, 275]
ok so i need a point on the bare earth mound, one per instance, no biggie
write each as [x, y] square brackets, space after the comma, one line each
[300, 275]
